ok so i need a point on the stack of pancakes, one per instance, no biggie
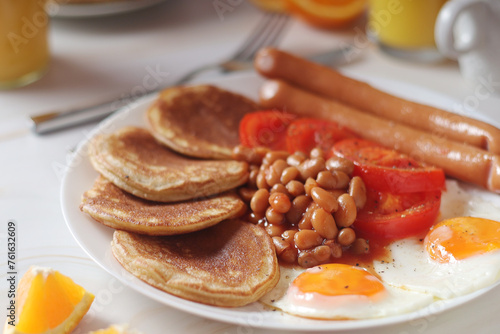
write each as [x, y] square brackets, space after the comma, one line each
[169, 191]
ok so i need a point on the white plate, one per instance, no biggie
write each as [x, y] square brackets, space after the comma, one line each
[95, 238]
[99, 8]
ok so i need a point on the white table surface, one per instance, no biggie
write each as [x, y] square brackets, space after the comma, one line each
[99, 58]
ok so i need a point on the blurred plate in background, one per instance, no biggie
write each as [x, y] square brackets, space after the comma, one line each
[90, 8]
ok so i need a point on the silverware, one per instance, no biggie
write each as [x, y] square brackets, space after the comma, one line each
[267, 33]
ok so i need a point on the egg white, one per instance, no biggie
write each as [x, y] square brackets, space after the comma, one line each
[461, 200]
[412, 268]
[411, 278]
[394, 301]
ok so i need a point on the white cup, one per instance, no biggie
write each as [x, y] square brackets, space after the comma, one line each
[469, 31]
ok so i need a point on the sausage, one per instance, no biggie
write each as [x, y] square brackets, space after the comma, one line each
[462, 161]
[276, 64]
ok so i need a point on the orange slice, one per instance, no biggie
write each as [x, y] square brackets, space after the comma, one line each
[327, 13]
[48, 302]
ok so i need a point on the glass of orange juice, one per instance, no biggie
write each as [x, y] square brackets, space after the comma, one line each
[405, 28]
[24, 49]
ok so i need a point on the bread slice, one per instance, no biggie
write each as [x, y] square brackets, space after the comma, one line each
[118, 209]
[199, 121]
[230, 264]
[134, 161]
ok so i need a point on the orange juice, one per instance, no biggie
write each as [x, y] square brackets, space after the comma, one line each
[24, 51]
[404, 24]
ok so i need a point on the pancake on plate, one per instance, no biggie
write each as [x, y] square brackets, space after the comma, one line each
[134, 161]
[199, 121]
[230, 264]
[118, 209]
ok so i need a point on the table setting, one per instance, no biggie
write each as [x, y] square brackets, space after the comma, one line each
[105, 63]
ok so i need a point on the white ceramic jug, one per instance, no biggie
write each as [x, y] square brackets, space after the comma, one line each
[469, 31]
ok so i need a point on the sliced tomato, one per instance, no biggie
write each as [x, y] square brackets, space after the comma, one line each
[387, 170]
[397, 216]
[265, 128]
[307, 133]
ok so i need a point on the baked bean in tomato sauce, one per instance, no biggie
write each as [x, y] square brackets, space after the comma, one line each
[305, 203]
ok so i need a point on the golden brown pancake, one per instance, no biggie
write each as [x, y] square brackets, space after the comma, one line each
[230, 264]
[118, 209]
[134, 161]
[199, 121]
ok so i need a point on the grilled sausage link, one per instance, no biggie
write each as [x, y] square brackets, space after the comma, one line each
[276, 64]
[462, 161]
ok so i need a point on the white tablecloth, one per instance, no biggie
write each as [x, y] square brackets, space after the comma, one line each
[95, 59]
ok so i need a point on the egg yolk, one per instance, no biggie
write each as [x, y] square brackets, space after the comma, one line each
[338, 279]
[462, 237]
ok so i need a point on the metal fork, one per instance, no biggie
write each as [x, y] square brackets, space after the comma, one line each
[267, 32]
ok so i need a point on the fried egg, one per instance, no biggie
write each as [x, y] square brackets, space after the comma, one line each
[462, 201]
[458, 256]
[340, 291]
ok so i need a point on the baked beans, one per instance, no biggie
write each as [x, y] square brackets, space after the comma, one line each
[321, 253]
[260, 180]
[297, 210]
[309, 184]
[289, 255]
[256, 218]
[326, 180]
[357, 190]
[273, 175]
[335, 248]
[247, 154]
[306, 239]
[252, 176]
[346, 236]
[307, 259]
[274, 230]
[259, 201]
[340, 164]
[305, 223]
[324, 199]
[272, 156]
[342, 179]
[274, 217]
[296, 159]
[346, 212]
[288, 235]
[246, 194]
[322, 221]
[310, 168]
[279, 188]
[289, 174]
[295, 188]
[317, 153]
[280, 244]
[305, 203]
[280, 202]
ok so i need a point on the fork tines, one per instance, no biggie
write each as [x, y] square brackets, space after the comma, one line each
[267, 33]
